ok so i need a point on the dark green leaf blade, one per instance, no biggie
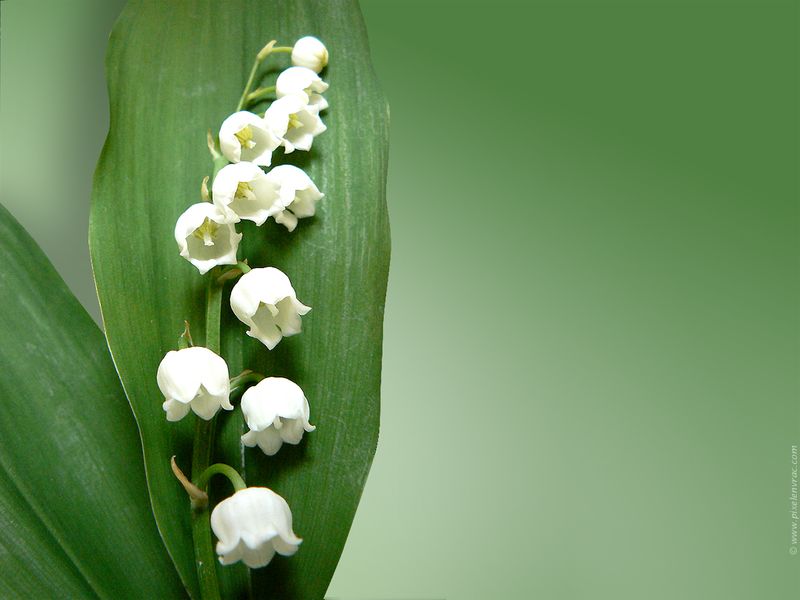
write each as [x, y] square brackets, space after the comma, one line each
[176, 69]
[76, 518]
[31, 559]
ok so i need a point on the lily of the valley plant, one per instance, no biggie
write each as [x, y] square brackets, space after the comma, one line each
[254, 523]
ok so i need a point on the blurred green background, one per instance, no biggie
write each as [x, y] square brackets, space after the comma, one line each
[592, 333]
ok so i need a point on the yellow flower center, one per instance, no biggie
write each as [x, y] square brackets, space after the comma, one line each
[207, 232]
[245, 137]
[294, 122]
[244, 190]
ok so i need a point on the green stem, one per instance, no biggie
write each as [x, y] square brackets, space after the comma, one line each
[213, 312]
[259, 94]
[239, 268]
[221, 469]
[252, 77]
[205, 558]
[246, 377]
[250, 80]
[241, 380]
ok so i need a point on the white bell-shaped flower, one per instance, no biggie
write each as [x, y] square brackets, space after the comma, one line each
[206, 237]
[295, 121]
[251, 526]
[265, 300]
[242, 191]
[299, 195]
[194, 379]
[309, 52]
[276, 411]
[245, 136]
[302, 79]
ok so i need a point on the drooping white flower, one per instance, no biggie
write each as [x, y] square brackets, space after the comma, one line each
[242, 191]
[251, 526]
[193, 379]
[265, 300]
[276, 411]
[206, 237]
[311, 53]
[295, 121]
[245, 136]
[302, 79]
[299, 195]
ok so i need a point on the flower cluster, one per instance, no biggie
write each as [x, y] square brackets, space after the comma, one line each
[241, 190]
[255, 522]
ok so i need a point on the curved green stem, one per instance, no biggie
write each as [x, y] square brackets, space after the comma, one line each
[260, 93]
[205, 559]
[246, 377]
[243, 379]
[221, 469]
[238, 269]
[252, 77]
[250, 80]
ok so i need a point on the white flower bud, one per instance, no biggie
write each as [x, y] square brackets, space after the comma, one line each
[276, 411]
[251, 526]
[242, 191]
[309, 52]
[206, 238]
[193, 378]
[302, 79]
[265, 300]
[245, 136]
[295, 121]
[299, 195]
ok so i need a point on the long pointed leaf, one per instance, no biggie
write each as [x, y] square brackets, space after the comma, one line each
[76, 519]
[176, 69]
[31, 559]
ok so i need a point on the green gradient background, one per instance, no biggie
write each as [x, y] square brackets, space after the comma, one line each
[592, 335]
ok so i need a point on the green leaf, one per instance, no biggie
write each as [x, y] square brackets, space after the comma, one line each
[75, 519]
[35, 564]
[176, 70]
